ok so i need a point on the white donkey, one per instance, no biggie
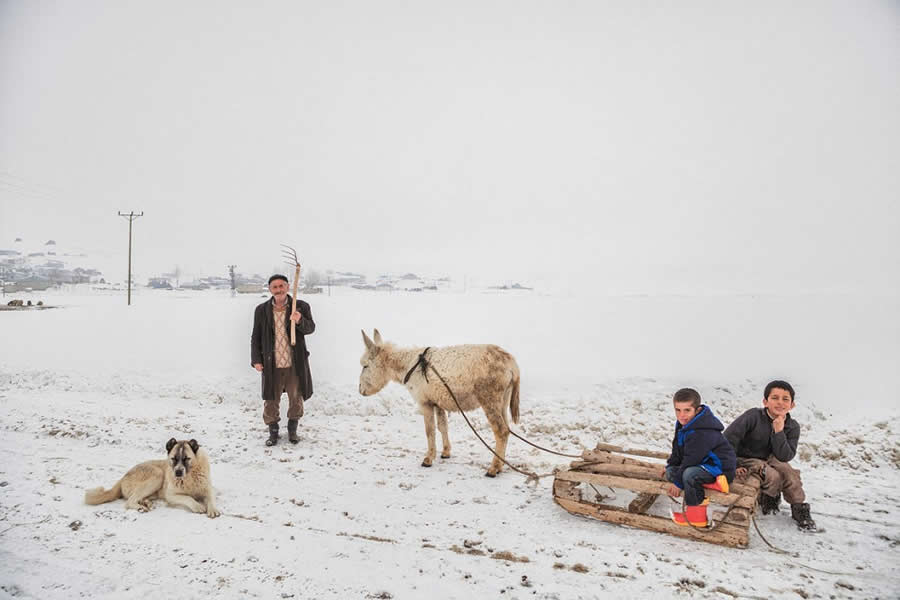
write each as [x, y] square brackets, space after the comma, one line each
[479, 375]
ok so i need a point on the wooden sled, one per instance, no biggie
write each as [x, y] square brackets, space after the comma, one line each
[607, 466]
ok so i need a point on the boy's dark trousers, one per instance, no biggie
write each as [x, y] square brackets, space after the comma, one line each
[777, 478]
[693, 479]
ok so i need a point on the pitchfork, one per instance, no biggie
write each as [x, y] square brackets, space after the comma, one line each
[290, 256]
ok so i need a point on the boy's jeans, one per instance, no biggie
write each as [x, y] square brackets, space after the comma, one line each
[693, 478]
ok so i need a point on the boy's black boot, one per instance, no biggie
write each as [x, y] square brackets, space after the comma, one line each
[292, 431]
[273, 435]
[800, 513]
[769, 504]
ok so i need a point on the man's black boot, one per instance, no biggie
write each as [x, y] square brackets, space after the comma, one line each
[273, 435]
[292, 431]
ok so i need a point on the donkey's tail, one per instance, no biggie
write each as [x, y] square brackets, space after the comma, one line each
[99, 495]
[514, 399]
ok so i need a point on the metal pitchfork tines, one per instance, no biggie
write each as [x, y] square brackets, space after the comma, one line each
[290, 256]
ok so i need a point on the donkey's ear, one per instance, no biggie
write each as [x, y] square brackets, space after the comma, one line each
[369, 343]
[171, 444]
[195, 445]
[377, 337]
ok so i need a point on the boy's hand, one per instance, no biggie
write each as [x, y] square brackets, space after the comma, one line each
[778, 424]
[740, 472]
[662, 474]
[673, 490]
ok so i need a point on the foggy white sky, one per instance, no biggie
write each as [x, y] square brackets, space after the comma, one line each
[507, 139]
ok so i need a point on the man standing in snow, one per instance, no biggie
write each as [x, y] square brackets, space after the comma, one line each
[284, 368]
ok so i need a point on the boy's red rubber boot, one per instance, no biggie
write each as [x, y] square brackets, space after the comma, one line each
[720, 484]
[692, 516]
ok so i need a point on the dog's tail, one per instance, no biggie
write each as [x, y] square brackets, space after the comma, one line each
[99, 495]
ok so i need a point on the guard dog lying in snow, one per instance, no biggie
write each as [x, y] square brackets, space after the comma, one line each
[181, 480]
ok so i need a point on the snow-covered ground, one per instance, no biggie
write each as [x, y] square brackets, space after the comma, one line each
[93, 387]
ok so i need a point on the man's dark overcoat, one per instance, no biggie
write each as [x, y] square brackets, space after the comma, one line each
[262, 346]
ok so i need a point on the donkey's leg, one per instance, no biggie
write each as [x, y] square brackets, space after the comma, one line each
[442, 427]
[501, 436]
[428, 413]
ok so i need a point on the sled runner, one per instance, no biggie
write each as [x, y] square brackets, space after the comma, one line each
[584, 489]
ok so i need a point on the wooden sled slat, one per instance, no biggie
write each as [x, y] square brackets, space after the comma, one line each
[651, 473]
[652, 487]
[636, 452]
[642, 503]
[725, 534]
[594, 457]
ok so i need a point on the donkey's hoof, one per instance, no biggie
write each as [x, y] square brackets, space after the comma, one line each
[426, 463]
[491, 474]
[447, 455]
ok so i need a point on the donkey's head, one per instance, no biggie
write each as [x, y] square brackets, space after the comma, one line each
[375, 373]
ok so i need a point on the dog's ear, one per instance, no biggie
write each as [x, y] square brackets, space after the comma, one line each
[171, 444]
[195, 445]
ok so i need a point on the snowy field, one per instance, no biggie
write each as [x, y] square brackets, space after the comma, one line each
[93, 387]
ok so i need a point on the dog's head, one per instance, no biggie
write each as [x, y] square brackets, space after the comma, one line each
[181, 455]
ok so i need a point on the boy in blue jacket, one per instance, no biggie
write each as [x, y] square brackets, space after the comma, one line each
[701, 457]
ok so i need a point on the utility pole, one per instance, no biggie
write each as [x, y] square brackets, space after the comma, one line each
[231, 269]
[131, 217]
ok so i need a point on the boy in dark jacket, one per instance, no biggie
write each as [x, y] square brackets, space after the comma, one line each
[765, 440]
[701, 457]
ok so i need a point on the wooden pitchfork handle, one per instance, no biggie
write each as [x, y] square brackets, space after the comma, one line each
[290, 255]
[294, 308]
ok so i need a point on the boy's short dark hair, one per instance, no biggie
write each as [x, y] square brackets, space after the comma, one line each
[277, 276]
[781, 385]
[688, 395]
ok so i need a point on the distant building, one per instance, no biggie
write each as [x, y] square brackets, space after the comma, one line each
[251, 288]
[159, 283]
[37, 284]
[514, 286]
[351, 279]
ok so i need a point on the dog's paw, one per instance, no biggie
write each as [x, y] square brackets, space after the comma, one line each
[212, 512]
